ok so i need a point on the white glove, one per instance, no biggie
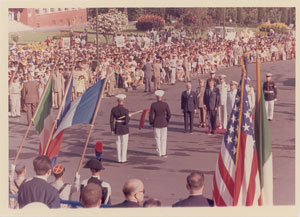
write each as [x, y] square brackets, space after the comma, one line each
[112, 133]
[12, 168]
[275, 100]
[77, 176]
[129, 115]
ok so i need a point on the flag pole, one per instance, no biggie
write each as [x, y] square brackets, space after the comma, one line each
[241, 108]
[258, 85]
[58, 114]
[35, 113]
[92, 124]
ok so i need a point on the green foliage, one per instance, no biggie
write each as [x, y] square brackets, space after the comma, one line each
[134, 13]
[240, 16]
[279, 28]
[149, 21]
[284, 15]
[15, 37]
[261, 15]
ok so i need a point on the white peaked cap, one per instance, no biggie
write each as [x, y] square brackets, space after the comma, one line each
[159, 93]
[121, 96]
[234, 82]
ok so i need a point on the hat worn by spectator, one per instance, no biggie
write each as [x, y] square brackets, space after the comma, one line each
[58, 169]
[94, 164]
[268, 75]
[212, 72]
[159, 93]
[222, 76]
[121, 96]
[234, 82]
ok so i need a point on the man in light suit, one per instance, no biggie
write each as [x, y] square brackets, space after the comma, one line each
[189, 106]
[156, 73]
[58, 87]
[223, 89]
[211, 101]
[38, 189]
[148, 72]
[31, 96]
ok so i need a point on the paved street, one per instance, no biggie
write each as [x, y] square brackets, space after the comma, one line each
[165, 178]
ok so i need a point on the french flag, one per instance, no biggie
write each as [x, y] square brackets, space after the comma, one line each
[81, 109]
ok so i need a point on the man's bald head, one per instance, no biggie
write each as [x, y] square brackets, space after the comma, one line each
[132, 189]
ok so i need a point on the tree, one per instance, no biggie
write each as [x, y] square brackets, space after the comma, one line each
[194, 21]
[240, 16]
[134, 13]
[261, 16]
[284, 15]
[110, 23]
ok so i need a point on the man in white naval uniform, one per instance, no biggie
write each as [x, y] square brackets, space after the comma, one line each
[173, 66]
[15, 97]
[223, 89]
[231, 97]
[159, 118]
[65, 190]
[119, 119]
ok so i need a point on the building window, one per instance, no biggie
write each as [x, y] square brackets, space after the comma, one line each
[38, 25]
[37, 11]
[53, 22]
[66, 9]
[58, 9]
[45, 10]
[52, 10]
[80, 18]
[60, 21]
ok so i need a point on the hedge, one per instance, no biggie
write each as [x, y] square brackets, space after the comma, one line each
[277, 27]
[149, 21]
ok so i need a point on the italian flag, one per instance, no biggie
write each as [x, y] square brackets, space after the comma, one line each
[263, 147]
[43, 121]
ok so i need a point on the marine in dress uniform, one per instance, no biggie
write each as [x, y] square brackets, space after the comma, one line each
[119, 119]
[231, 97]
[211, 101]
[65, 190]
[159, 118]
[188, 106]
[223, 89]
[270, 93]
[96, 168]
[212, 77]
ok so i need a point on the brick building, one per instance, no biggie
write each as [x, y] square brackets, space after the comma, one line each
[52, 17]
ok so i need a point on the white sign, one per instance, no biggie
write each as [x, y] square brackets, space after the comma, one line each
[66, 42]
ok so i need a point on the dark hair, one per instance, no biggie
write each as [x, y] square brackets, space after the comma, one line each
[195, 180]
[41, 165]
[128, 190]
[91, 195]
[152, 203]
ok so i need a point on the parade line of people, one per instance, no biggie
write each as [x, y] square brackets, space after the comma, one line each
[161, 58]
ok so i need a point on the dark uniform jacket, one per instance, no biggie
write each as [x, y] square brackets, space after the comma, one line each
[159, 115]
[38, 190]
[270, 90]
[217, 82]
[211, 99]
[105, 192]
[194, 200]
[31, 92]
[117, 125]
[189, 102]
[126, 204]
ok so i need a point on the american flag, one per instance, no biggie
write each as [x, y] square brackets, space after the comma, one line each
[236, 179]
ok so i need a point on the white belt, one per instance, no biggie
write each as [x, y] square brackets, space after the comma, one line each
[120, 121]
[269, 91]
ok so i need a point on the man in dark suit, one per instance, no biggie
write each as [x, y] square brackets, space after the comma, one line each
[38, 189]
[188, 106]
[195, 186]
[211, 101]
[133, 191]
[31, 96]
[159, 118]
[91, 196]
[148, 72]
[119, 119]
